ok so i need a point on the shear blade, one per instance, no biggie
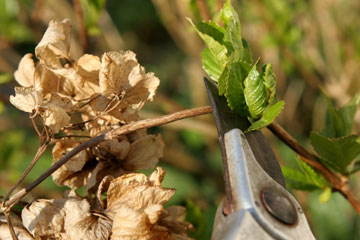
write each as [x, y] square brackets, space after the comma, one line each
[227, 120]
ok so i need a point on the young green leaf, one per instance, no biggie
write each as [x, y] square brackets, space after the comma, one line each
[268, 116]
[228, 13]
[336, 153]
[304, 179]
[211, 65]
[255, 93]
[269, 81]
[235, 89]
[211, 29]
[216, 55]
[233, 34]
[311, 173]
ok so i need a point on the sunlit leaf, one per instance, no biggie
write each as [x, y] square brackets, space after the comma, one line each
[211, 65]
[270, 82]
[228, 13]
[235, 89]
[255, 92]
[268, 116]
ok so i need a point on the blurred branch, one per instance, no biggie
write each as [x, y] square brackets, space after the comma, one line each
[203, 9]
[311, 79]
[81, 24]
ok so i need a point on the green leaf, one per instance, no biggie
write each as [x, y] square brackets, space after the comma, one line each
[235, 89]
[255, 93]
[212, 29]
[228, 13]
[223, 80]
[296, 179]
[268, 116]
[325, 195]
[269, 82]
[211, 65]
[304, 179]
[336, 153]
[311, 173]
[217, 54]
[340, 122]
[233, 34]
[347, 114]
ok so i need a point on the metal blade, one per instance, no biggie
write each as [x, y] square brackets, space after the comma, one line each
[227, 120]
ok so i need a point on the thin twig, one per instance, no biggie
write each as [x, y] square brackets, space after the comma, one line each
[10, 225]
[38, 154]
[107, 136]
[340, 184]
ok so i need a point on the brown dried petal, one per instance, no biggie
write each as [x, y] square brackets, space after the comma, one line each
[47, 81]
[55, 44]
[136, 191]
[121, 74]
[130, 224]
[88, 66]
[118, 149]
[115, 70]
[141, 92]
[65, 174]
[55, 117]
[91, 228]
[24, 75]
[26, 99]
[101, 170]
[20, 231]
[55, 218]
[174, 220]
[145, 153]
[43, 218]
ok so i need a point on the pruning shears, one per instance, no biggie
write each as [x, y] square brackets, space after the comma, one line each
[257, 204]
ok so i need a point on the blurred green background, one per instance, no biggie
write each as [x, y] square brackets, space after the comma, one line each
[312, 45]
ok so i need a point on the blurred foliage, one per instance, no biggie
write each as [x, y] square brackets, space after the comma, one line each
[310, 44]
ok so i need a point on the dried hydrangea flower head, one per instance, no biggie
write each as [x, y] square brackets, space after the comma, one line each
[105, 93]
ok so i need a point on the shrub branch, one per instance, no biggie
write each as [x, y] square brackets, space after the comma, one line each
[103, 137]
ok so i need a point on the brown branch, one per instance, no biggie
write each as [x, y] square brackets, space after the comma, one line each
[107, 136]
[81, 24]
[340, 184]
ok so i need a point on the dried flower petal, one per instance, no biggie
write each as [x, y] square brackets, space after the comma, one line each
[55, 44]
[26, 99]
[121, 74]
[136, 191]
[115, 70]
[55, 118]
[56, 218]
[130, 224]
[20, 231]
[65, 174]
[24, 75]
[145, 153]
